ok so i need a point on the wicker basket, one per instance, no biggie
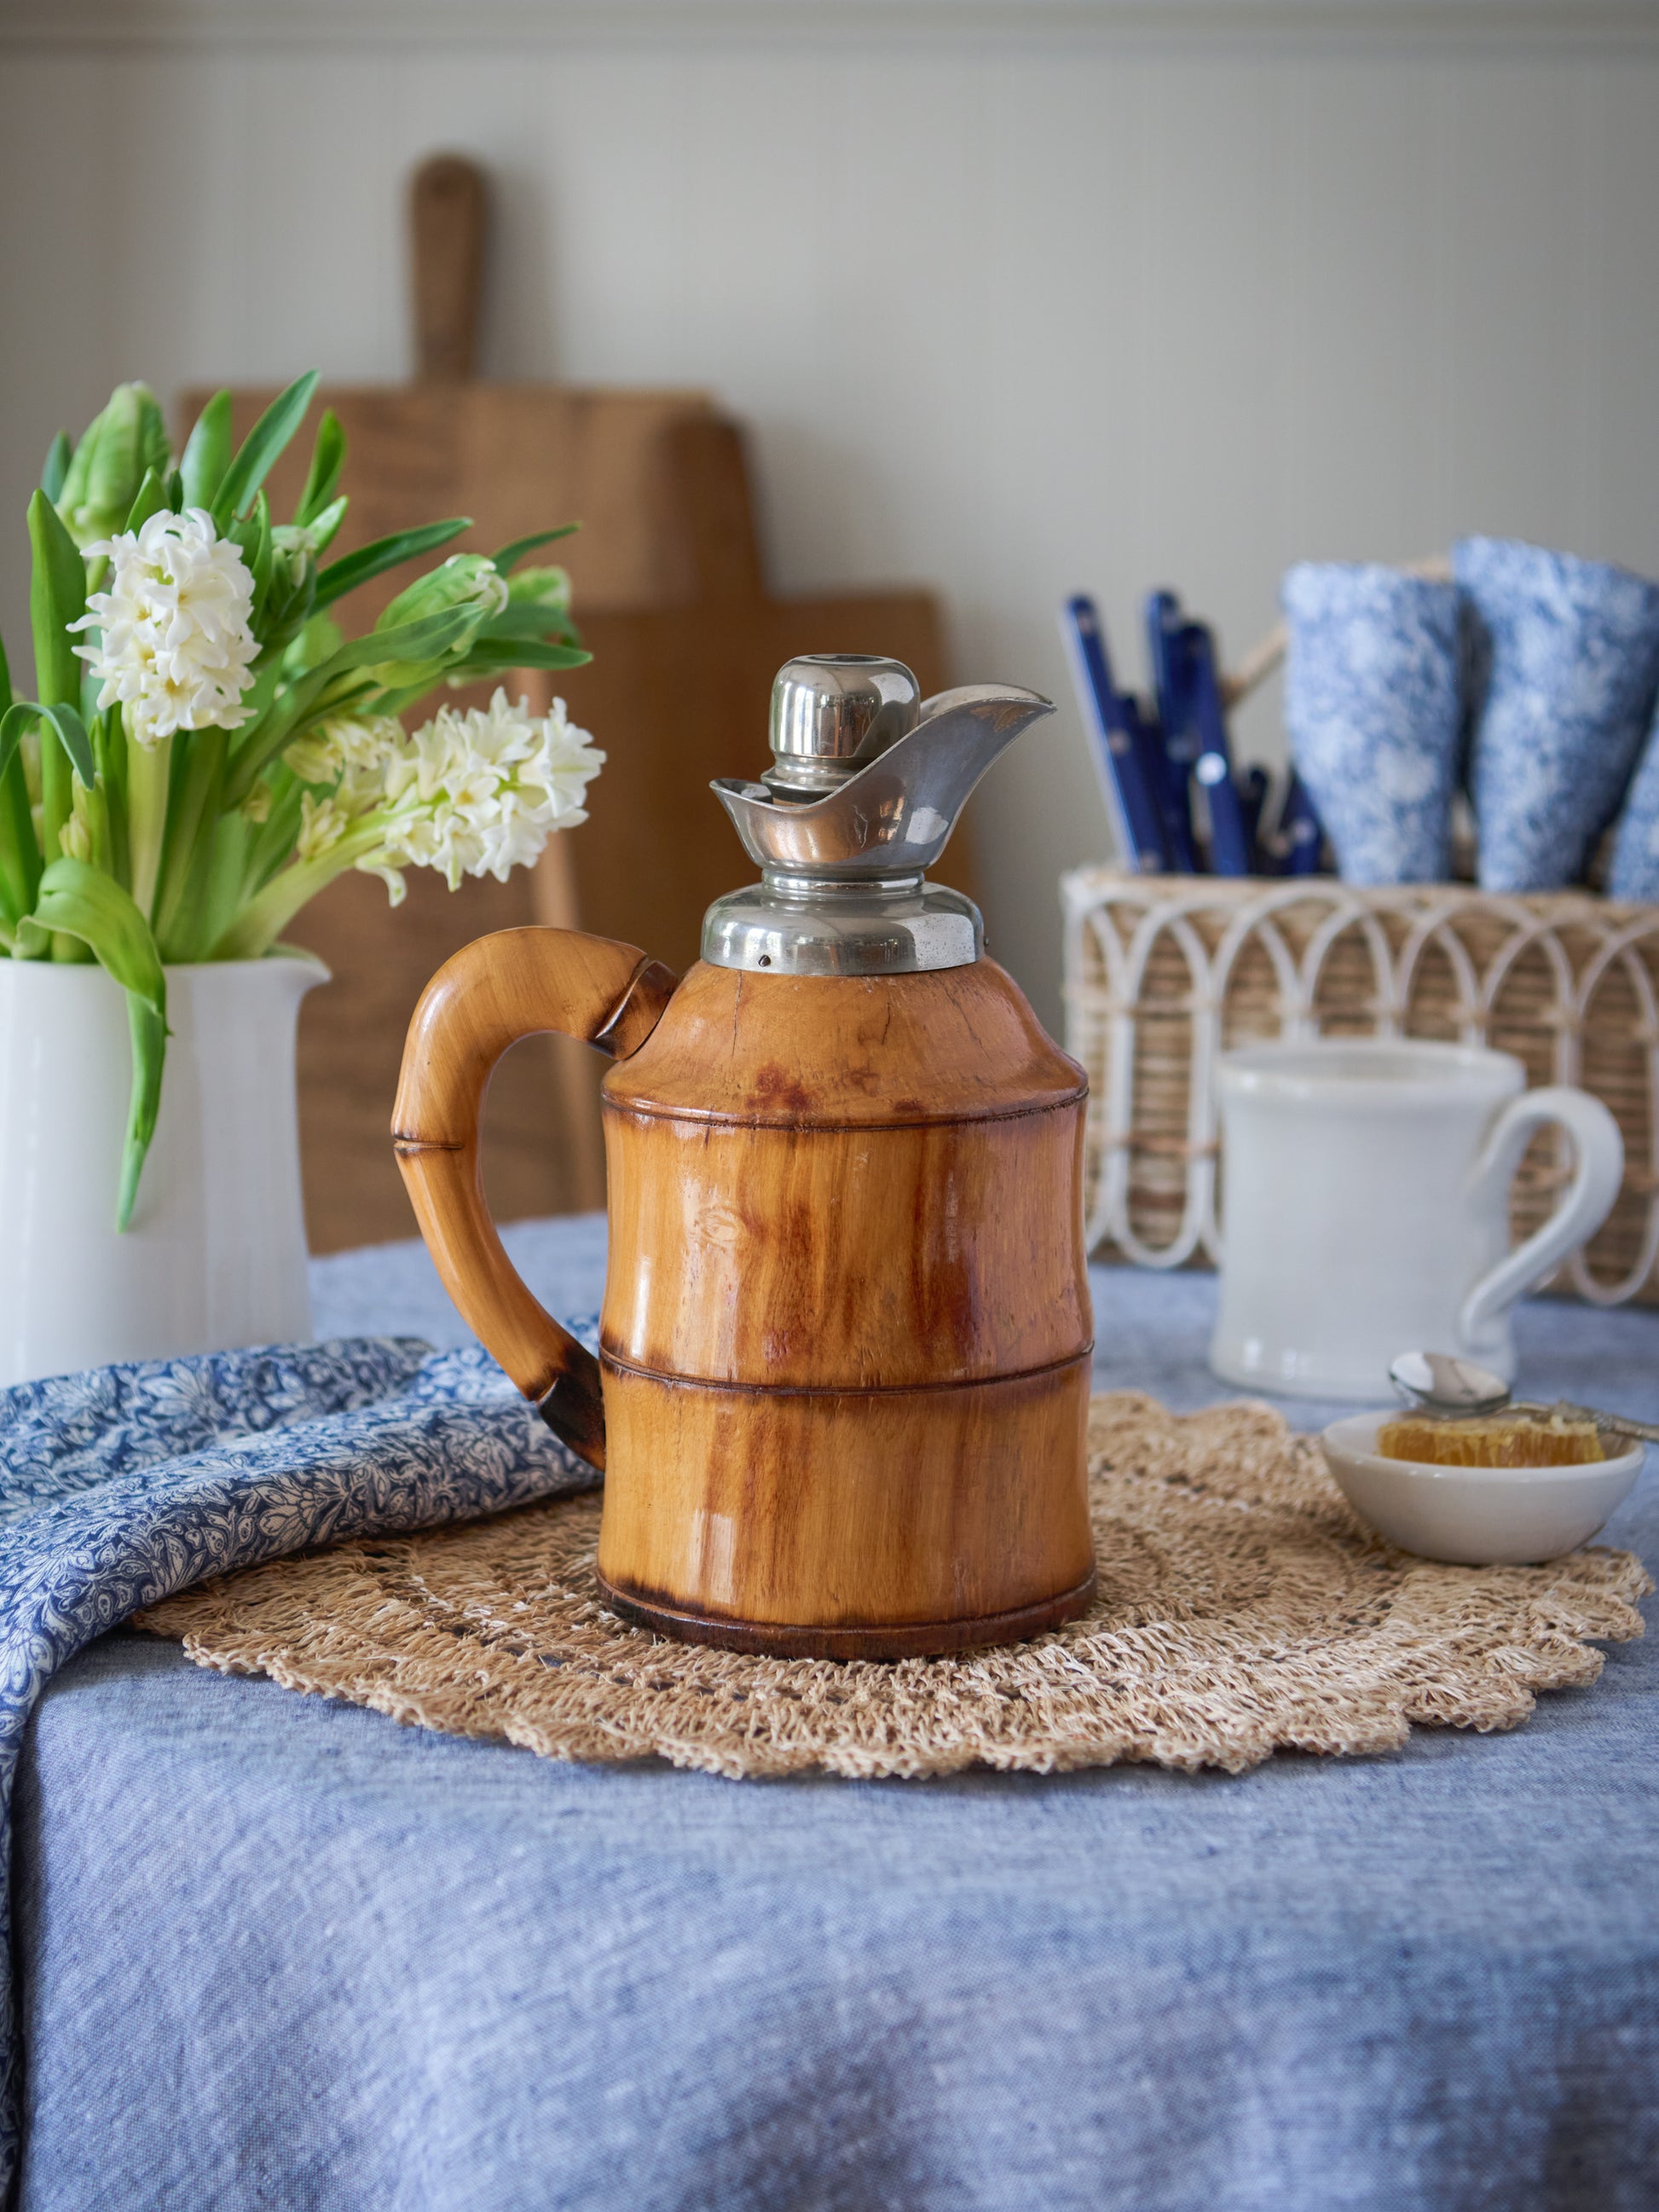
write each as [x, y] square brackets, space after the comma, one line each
[1163, 973]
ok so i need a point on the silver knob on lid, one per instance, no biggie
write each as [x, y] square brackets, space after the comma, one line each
[865, 788]
[832, 713]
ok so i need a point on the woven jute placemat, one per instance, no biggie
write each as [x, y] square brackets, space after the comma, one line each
[1241, 1608]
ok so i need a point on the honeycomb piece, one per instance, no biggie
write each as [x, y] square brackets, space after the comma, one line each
[1492, 1440]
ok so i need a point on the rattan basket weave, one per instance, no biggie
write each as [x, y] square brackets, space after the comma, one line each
[1164, 973]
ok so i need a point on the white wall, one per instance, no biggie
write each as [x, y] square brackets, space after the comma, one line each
[1016, 299]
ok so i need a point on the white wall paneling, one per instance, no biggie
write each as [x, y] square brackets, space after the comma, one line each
[1017, 298]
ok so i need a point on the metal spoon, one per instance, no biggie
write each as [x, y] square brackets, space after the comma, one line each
[1441, 1384]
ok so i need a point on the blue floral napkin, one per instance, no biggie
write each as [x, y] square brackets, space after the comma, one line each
[1564, 665]
[1634, 873]
[1373, 709]
[121, 1486]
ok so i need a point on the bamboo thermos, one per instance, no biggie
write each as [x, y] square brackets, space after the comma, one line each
[845, 1346]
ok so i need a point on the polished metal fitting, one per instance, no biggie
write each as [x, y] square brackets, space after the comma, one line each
[867, 783]
[802, 926]
[832, 713]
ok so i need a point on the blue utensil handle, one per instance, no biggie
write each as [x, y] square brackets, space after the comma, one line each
[1177, 743]
[1230, 839]
[1254, 787]
[1301, 835]
[1129, 799]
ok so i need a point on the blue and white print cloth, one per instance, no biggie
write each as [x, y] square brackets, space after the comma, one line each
[1374, 710]
[1564, 668]
[122, 1485]
[1634, 873]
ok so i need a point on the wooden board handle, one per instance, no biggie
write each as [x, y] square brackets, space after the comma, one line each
[448, 210]
[516, 983]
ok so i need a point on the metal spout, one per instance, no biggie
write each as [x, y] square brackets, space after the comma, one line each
[895, 816]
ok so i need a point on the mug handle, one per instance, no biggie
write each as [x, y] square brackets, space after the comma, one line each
[1585, 1206]
[517, 983]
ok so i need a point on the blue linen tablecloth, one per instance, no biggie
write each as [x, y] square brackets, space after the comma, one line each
[277, 1952]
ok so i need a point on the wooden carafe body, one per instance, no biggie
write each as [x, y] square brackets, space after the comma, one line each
[845, 1337]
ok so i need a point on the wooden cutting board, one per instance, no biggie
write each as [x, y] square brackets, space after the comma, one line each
[670, 597]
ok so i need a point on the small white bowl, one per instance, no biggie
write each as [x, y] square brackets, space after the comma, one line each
[1474, 1516]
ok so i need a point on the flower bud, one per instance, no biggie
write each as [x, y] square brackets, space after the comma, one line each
[75, 837]
[116, 452]
[294, 549]
[465, 580]
[540, 587]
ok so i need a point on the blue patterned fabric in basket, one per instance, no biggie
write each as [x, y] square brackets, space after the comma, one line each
[1564, 668]
[122, 1485]
[1374, 715]
[1634, 873]
[1374, 710]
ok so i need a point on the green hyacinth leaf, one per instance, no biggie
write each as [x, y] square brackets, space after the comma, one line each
[324, 526]
[354, 568]
[152, 498]
[20, 856]
[510, 555]
[488, 658]
[544, 625]
[55, 467]
[252, 536]
[71, 733]
[64, 721]
[261, 448]
[57, 596]
[72, 736]
[322, 479]
[429, 639]
[207, 453]
[318, 641]
[82, 901]
[147, 1025]
[13, 723]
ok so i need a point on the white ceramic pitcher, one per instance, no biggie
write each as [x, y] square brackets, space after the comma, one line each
[215, 1254]
[1366, 1200]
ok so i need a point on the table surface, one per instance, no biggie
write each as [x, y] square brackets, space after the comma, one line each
[279, 1952]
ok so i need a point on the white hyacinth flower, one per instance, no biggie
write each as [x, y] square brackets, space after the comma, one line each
[322, 826]
[352, 752]
[480, 794]
[173, 640]
[471, 794]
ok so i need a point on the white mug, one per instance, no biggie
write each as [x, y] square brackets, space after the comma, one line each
[1366, 1197]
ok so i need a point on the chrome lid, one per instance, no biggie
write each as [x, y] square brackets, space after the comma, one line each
[866, 786]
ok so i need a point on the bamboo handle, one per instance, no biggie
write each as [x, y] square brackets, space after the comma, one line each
[448, 208]
[517, 983]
